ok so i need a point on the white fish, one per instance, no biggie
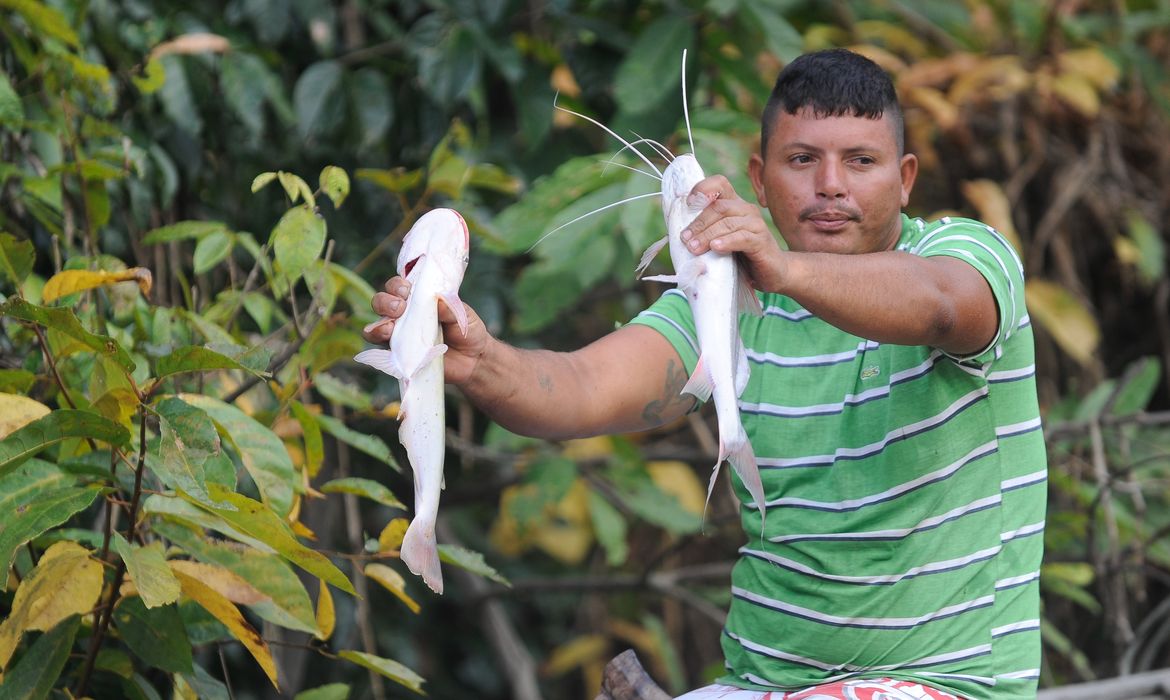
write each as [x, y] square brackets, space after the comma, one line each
[717, 292]
[433, 258]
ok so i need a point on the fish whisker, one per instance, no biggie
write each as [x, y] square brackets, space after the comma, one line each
[627, 200]
[662, 150]
[611, 161]
[609, 131]
[686, 111]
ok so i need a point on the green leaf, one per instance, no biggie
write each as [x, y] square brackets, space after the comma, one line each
[341, 392]
[16, 258]
[334, 182]
[183, 230]
[317, 98]
[194, 358]
[366, 488]
[147, 566]
[553, 477]
[781, 38]
[470, 561]
[333, 691]
[260, 181]
[34, 497]
[155, 635]
[296, 188]
[38, 671]
[45, 20]
[492, 177]
[398, 180]
[16, 381]
[177, 98]
[1141, 383]
[449, 70]
[386, 667]
[311, 432]
[187, 440]
[542, 293]
[288, 604]
[59, 425]
[649, 70]
[373, 104]
[11, 110]
[258, 521]
[297, 240]
[154, 76]
[610, 528]
[211, 250]
[261, 451]
[654, 505]
[243, 77]
[369, 444]
[1151, 259]
[206, 686]
[63, 320]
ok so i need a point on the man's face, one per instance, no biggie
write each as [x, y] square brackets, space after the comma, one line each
[834, 184]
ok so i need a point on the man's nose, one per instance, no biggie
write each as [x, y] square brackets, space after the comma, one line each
[831, 180]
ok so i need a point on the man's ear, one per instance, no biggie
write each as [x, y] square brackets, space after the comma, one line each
[756, 173]
[909, 168]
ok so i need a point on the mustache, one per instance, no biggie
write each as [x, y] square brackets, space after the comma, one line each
[850, 212]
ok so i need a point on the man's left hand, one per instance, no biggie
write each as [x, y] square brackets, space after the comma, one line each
[730, 224]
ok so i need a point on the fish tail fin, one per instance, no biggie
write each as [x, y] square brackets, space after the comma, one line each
[453, 302]
[384, 360]
[420, 553]
[700, 384]
[743, 461]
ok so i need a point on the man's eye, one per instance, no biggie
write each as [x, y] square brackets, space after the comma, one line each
[801, 158]
[864, 160]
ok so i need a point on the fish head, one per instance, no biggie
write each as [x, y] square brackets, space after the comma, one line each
[679, 178]
[440, 235]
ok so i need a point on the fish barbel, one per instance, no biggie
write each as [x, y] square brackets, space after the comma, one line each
[433, 258]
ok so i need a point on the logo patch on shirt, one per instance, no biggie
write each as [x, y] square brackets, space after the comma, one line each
[870, 372]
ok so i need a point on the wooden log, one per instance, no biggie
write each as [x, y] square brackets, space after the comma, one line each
[625, 679]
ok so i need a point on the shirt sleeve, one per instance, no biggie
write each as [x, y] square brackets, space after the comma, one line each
[985, 249]
[671, 316]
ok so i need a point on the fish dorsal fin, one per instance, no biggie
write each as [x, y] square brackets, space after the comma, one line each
[700, 384]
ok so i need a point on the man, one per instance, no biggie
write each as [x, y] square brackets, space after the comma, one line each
[891, 406]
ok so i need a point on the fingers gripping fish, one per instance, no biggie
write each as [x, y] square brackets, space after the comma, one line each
[717, 292]
[433, 258]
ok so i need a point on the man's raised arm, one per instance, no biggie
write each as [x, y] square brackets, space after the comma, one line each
[628, 380]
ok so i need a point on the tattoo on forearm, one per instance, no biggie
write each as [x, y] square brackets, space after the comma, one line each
[672, 399]
[545, 382]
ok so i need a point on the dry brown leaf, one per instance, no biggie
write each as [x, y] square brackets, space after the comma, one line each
[195, 42]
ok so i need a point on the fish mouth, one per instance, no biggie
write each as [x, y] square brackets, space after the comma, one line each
[410, 266]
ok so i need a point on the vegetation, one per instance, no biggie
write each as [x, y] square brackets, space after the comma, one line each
[192, 469]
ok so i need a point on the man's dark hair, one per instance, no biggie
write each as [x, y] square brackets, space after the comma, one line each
[833, 83]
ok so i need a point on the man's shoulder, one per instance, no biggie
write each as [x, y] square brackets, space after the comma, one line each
[918, 233]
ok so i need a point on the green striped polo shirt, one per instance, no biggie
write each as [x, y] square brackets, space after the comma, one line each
[905, 494]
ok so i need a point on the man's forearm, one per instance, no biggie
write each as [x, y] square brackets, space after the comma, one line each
[895, 297]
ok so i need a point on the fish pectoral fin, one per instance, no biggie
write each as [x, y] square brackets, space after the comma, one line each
[691, 272]
[433, 353]
[700, 384]
[649, 255]
[383, 360]
[668, 279]
[453, 302]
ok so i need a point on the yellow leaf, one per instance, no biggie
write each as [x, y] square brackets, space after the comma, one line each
[73, 281]
[887, 60]
[195, 42]
[679, 480]
[235, 588]
[1064, 317]
[183, 691]
[392, 581]
[17, 411]
[326, 616]
[588, 448]
[573, 653]
[894, 37]
[1078, 93]
[1092, 65]
[993, 208]
[222, 609]
[562, 81]
[66, 581]
[997, 78]
[567, 532]
[391, 538]
[119, 405]
[391, 409]
[301, 530]
[942, 112]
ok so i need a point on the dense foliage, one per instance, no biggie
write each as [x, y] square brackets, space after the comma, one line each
[188, 456]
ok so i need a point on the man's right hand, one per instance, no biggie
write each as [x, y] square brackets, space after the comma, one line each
[463, 352]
